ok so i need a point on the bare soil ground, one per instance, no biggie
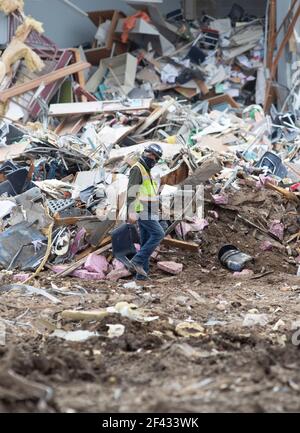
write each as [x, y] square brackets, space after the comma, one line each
[151, 368]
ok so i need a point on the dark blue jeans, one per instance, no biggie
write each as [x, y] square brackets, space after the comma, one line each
[152, 234]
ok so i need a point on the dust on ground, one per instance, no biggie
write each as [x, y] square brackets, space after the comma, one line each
[152, 368]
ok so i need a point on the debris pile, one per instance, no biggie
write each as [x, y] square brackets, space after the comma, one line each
[72, 124]
[67, 144]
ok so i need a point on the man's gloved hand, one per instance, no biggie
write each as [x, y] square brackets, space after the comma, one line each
[132, 218]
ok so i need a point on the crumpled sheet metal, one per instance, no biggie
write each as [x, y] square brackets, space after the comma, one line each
[21, 246]
[30, 212]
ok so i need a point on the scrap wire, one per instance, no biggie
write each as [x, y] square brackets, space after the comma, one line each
[15, 323]
[22, 315]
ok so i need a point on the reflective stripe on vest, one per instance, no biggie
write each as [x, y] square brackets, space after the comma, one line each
[148, 189]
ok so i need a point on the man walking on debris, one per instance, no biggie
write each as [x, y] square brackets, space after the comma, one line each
[143, 207]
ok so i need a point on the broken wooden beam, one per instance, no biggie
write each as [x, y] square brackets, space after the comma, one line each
[73, 220]
[287, 194]
[99, 107]
[183, 245]
[71, 125]
[81, 92]
[19, 89]
[157, 113]
[79, 75]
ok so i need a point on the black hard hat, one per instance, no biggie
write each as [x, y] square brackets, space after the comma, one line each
[155, 149]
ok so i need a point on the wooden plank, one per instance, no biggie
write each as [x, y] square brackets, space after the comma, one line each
[186, 92]
[203, 87]
[45, 79]
[191, 92]
[80, 91]
[79, 75]
[176, 176]
[95, 54]
[50, 89]
[183, 245]
[71, 125]
[287, 194]
[264, 274]
[271, 42]
[271, 32]
[91, 249]
[84, 253]
[98, 107]
[154, 116]
[73, 220]
[221, 99]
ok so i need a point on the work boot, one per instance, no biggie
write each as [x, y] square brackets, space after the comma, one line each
[139, 277]
[138, 268]
[128, 265]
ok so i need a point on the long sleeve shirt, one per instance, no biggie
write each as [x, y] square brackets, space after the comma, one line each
[134, 181]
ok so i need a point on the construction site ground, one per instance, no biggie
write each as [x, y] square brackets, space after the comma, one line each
[150, 368]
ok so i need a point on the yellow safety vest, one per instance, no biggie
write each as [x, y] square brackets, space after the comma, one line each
[148, 190]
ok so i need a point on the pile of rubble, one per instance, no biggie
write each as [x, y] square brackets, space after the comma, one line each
[67, 143]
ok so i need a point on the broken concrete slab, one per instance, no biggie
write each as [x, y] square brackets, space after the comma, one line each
[117, 274]
[170, 267]
[89, 276]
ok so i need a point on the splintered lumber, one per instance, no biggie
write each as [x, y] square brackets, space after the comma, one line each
[73, 220]
[203, 87]
[81, 91]
[84, 315]
[293, 237]
[264, 274]
[183, 245]
[71, 125]
[206, 171]
[79, 75]
[271, 32]
[186, 92]
[99, 107]
[43, 79]
[176, 175]
[157, 113]
[287, 194]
